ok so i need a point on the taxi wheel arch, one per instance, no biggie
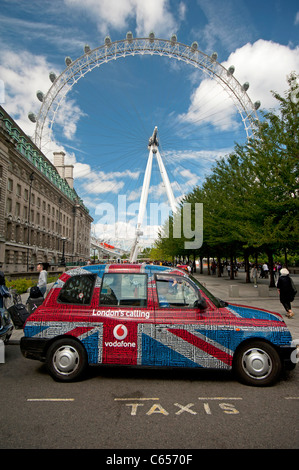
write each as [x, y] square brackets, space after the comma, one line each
[66, 359]
[257, 362]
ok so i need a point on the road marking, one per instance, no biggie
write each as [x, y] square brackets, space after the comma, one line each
[130, 399]
[220, 398]
[291, 398]
[50, 399]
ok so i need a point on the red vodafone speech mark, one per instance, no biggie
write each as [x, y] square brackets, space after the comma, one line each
[120, 332]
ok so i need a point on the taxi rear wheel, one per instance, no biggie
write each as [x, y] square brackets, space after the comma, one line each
[257, 363]
[66, 359]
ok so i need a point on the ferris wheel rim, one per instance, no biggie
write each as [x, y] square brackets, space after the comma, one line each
[145, 46]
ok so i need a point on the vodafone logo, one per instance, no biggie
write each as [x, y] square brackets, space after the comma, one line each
[120, 332]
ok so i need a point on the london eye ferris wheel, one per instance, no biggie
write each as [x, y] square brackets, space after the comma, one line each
[186, 133]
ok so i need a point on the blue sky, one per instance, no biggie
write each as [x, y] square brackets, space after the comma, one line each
[106, 119]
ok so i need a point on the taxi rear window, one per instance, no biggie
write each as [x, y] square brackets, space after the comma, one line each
[78, 290]
[124, 289]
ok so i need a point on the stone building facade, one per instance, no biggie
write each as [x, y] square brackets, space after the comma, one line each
[42, 217]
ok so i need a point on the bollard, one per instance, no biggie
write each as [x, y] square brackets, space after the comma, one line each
[2, 352]
[233, 291]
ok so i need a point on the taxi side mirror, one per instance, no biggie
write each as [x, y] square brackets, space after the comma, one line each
[201, 304]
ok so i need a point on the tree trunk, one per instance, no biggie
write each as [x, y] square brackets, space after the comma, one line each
[232, 267]
[271, 272]
[246, 259]
[218, 266]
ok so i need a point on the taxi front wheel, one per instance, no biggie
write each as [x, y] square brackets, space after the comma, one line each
[257, 363]
[66, 359]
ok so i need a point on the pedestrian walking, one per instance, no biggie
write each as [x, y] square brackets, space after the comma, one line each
[4, 292]
[287, 291]
[42, 278]
[254, 274]
[265, 270]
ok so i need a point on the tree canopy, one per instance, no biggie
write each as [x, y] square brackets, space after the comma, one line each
[250, 199]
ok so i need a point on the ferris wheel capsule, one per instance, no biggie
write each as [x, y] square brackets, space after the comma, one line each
[194, 46]
[32, 117]
[86, 49]
[68, 61]
[107, 41]
[245, 86]
[129, 37]
[214, 56]
[173, 39]
[40, 96]
[151, 36]
[230, 70]
[52, 76]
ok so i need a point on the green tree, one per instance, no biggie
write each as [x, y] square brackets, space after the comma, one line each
[251, 197]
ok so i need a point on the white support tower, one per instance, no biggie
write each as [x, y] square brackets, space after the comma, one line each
[153, 145]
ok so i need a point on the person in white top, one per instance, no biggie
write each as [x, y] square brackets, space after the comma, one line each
[42, 278]
[265, 270]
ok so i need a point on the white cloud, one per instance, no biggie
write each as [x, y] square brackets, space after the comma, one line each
[202, 156]
[211, 104]
[99, 187]
[264, 64]
[68, 116]
[154, 15]
[81, 170]
[117, 14]
[225, 24]
[122, 234]
[99, 182]
[297, 18]
[23, 74]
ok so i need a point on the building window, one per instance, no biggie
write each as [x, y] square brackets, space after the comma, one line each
[9, 206]
[18, 209]
[10, 184]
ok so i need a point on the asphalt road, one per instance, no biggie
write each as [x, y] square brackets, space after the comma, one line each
[120, 408]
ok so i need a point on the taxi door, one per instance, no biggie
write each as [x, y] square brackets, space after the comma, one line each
[183, 325]
[124, 307]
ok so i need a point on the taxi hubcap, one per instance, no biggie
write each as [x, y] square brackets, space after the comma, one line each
[66, 360]
[257, 363]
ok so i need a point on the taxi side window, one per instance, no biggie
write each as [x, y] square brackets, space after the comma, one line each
[175, 292]
[124, 289]
[78, 290]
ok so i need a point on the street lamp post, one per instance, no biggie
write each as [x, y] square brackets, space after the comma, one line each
[62, 262]
[31, 178]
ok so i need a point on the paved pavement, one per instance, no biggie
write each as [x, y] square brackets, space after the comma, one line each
[238, 292]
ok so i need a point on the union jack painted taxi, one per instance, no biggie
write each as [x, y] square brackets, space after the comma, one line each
[152, 316]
